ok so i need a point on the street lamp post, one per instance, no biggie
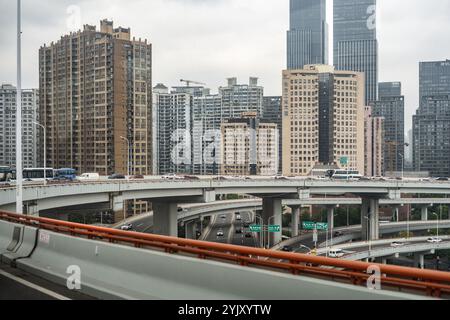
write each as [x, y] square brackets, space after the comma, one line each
[45, 150]
[403, 165]
[261, 238]
[437, 223]
[368, 236]
[19, 173]
[128, 162]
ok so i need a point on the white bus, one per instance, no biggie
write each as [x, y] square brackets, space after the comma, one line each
[37, 174]
[347, 175]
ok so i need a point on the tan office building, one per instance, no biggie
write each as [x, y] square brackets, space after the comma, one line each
[374, 144]
[323, 119]
[249, 146]
[96, 101]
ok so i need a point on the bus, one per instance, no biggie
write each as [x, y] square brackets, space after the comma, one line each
[65, 174]
[346, 175]
[37, 174]
[5, 174]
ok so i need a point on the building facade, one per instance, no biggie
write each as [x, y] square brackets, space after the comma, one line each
[431, 123]
[174, 128]
[391, 106]
[323, 119]
[431, 132]
[249, 147]
[374, 144]
[272, 113]
[307, 38]
[355, 41]
[96, 101]
[30, 131]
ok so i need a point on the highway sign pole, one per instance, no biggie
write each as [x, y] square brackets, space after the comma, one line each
[19, 172]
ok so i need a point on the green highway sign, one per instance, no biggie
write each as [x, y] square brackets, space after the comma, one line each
[275, 228]
[309, 225]
[255, 228]
[322, 226]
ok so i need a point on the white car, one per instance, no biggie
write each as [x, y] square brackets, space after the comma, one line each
[223, 217]
[434, 240]
[336, 253]
[127, 227]
[397, 244]
[172, 177]
[238, 218]
[89, 177]
[220, 233]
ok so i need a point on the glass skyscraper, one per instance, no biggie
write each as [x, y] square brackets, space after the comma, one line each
[307, 38]
[355, 41]
[431, 124]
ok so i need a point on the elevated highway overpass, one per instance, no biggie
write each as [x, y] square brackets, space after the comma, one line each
[160, 267]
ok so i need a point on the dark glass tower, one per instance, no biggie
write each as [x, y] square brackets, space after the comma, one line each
[307, 39]
[355, 41]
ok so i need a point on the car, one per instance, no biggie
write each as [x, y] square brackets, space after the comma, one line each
[336, 253]
[238, 218]
[137, 176]
[191, 178]
[338, 234]
[397, 244]
[219, 178]
[172, 176]
[223, 217]
[127, 227]
[442, 179]
[248, 235]
[117, 176]
[238, 231]
[286, 249]
[434, 240]
[220, 233]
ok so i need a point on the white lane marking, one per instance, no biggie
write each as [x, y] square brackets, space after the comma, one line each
[231, 232]
[34, 286]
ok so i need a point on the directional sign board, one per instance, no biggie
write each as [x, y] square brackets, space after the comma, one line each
[309, 225]
[275, 228]
[255, 228]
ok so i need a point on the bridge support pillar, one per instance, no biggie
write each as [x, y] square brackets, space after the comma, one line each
[189, 226]
[31, 209]
[295, 220]
[165, 218]
[370, 217]
[117, 206]
[419, 260]
[330, 217]
[424, 213]
[272, 215]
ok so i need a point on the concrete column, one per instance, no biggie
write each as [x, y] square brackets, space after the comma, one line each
[419, 260]
[190, 229]
[330, 217]
[273, 210]
[117, 206]
[370, 217]
[424, 213]
[165, 217]
[32, 210]
[396, 210]
[295, 220]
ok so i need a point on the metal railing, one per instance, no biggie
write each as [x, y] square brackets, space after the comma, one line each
[429, 282]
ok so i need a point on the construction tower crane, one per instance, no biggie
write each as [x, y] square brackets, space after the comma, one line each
[188, 82]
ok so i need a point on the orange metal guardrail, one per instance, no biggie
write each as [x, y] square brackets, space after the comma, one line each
[433, 283]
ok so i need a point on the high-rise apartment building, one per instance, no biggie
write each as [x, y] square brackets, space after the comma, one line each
[431, 124]
[272, 113]
[391, 106]
[249, 146]
[307, 38]
[355, 41]
[174, 127]
[374, 144]
[96, 101]
[323, 119]
[30, 131]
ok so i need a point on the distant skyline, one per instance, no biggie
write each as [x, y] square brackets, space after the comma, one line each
[211, 40]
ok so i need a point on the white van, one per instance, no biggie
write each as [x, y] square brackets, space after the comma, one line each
[336, 253]
[89, 177]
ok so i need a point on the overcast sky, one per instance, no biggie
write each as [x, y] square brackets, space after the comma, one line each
[210, 40]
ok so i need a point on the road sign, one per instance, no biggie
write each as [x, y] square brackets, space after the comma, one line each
[321, 226]
[275, 228]
[308, 225]
[255, 228]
